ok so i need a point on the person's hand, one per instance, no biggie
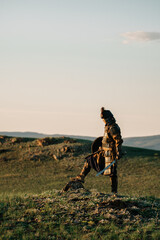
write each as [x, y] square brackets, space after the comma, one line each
[119, 155]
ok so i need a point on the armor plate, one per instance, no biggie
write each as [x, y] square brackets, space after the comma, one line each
[107, 153]
[108, 157]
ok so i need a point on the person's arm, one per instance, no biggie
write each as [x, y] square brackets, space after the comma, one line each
[116, 135]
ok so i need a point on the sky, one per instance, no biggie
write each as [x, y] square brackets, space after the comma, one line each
[62, 60]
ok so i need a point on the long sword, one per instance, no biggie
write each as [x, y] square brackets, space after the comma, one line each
[106, 168]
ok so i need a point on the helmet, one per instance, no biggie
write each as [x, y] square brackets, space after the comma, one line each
[106, 113]
[108, 116]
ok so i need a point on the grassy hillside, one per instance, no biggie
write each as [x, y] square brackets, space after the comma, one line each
[32, 205]
[79, 214]
[148, 142]
[33, 167]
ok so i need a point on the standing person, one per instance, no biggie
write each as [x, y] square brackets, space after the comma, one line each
[109, 149]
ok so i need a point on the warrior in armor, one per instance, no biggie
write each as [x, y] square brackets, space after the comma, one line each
[104, 151]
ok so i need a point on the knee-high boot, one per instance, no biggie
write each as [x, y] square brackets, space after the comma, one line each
[114, 183]
[85, 170]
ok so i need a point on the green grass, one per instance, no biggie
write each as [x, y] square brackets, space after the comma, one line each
[31, 209]
[28, 168]
[54, 215]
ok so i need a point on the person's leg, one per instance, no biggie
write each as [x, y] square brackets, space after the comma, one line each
[114, 180]
[85, 170]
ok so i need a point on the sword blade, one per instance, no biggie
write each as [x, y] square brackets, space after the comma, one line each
[106, 168]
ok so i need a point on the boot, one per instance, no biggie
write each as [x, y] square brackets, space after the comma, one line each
[114, 183]
[86, 169]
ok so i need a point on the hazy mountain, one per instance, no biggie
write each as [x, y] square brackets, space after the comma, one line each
[42, 135]
[149, 142]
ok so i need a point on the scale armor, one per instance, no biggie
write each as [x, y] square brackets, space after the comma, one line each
[111, 144]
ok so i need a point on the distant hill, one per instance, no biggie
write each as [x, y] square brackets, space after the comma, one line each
[148, 142]
[42, 135]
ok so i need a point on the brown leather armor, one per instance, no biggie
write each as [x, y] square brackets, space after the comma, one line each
[111, 144]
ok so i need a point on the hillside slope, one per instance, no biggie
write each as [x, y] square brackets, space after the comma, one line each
[33, 205]
[148, 142]
[33, 166]
[79, 214]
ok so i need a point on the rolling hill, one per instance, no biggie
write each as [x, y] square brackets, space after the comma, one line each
[35, 165]
[33, 206]
[148, 142]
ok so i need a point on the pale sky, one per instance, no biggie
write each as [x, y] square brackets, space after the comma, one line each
[62, 60]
